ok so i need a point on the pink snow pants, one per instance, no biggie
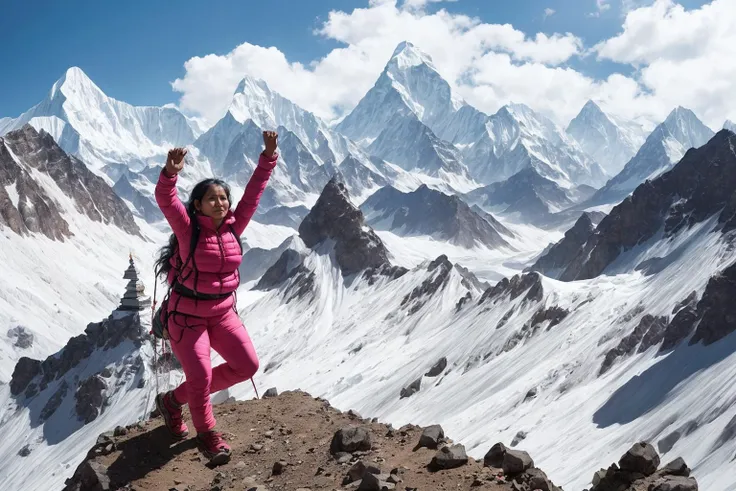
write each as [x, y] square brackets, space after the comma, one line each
[191, 340]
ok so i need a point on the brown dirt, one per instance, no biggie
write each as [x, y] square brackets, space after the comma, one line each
[293, 427]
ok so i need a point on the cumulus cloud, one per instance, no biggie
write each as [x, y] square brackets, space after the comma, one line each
[488, 64]
[684, 57]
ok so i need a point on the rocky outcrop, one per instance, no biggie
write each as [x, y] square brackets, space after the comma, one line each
[716, 311]
[426, 211]
[437, 368]
[649, 332]
[21, 337]
[529, 283]
[89, 192]
[334, 217]
[90, 398]
[33, 211]
[25, 370]
[278, 272]
[417, 298]
[98, 335]
[334, 451]
[560, 255]
[638, 469]
[700, 185]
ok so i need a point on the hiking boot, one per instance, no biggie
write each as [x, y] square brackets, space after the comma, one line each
[173, 417]
[213, 447]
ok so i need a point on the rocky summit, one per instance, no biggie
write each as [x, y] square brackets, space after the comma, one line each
[334, 217]
[293, 441]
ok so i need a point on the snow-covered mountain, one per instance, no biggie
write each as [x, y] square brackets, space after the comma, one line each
[517, 138]
[699, 187]
[607, 361]
[610, 141]
[102, 131]
[729, 125]
[429, 212]
[663, 148]
[32, 164]
[526, 196]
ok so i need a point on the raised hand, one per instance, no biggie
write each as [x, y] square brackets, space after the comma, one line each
[270, 140]
[175, 161]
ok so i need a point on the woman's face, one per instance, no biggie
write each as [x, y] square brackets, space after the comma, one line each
[214, 203]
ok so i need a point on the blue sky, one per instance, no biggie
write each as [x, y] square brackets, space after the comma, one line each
[134, 49]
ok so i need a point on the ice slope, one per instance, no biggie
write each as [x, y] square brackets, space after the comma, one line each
[350, 339]
[101, 130]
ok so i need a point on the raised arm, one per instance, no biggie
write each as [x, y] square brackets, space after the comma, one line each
[166, 195]
[257, 184]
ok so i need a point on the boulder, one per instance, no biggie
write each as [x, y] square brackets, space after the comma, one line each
[449, 457]
[516, 462]
[642, 458]
[677, 467]
[674, 483]
[376, 482]
[351, 439]
[431, 437]
[495, 456]
[272, 392]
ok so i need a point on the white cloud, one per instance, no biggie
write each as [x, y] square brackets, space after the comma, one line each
[548, 12]
[685, 57]
[418, 4]
[601, 6]
[335, 83]
[490, 64]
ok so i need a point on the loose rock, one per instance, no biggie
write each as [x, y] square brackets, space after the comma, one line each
[431, 437]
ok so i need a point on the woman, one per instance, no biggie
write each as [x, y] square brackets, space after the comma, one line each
[201, 264]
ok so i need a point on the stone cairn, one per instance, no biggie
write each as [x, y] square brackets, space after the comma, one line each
[134, 298]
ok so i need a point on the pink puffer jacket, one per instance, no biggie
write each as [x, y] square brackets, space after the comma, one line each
[217, 255]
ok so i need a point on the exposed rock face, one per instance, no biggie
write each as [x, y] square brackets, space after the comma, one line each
[91, 195]
[34, 210]
[700, 185]
[529, 283]
[427, 211]
[637, 469]
[280, 271]
[357, 247]
[411, 389]
[717, 310]
[649, 332]
[21, 336]
[90, 398]
[437, 368]
[559, 256]
[102, 335]
[416, 299]
[25, 370]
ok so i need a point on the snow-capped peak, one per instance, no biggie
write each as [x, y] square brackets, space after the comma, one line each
[729, 125]
[407, 55]
[253, 99]
[75, 82]
[610, 140]
[685, 126]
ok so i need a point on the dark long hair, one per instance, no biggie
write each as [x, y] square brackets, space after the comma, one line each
[162, 266]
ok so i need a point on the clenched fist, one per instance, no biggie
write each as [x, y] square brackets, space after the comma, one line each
[175, 161]
[270, 140]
